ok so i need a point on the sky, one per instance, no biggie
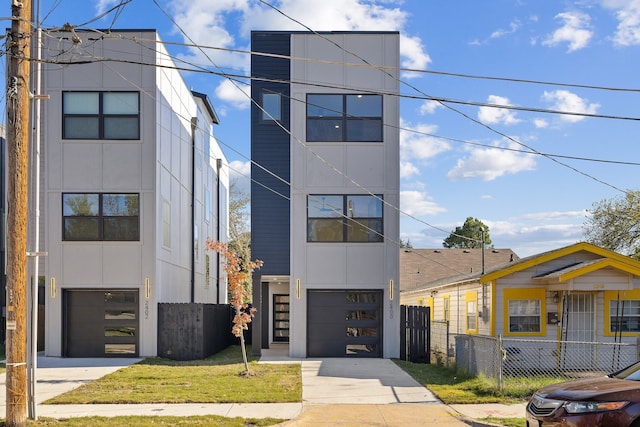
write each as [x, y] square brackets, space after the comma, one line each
[484, 85]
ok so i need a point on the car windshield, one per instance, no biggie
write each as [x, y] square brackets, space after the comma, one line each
[631, 373]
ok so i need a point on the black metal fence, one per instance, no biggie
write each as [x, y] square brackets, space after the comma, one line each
[415, 337]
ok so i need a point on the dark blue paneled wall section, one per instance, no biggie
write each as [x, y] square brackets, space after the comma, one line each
[270, 149]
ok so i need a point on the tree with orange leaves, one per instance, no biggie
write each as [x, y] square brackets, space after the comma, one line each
[238, 274]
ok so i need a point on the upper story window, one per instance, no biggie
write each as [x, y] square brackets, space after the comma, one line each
[344, 117]
[344, 218]
[271, 106]
[100, 217]
[100, 115]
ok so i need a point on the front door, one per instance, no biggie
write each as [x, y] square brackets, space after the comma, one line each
[281, 318]
[578, 330]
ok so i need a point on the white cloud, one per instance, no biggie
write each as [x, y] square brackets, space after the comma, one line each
[240, 172]
[232, 92]
[417, 203]
[414, 55]
[429, 107]
[534, 233]
[491, 163]
[408, 169]
[513, 27]
[563, 100]
[418, 145]
[540, 123]
[493, 115]
[206, 21]
[628, 15]
[576, 31]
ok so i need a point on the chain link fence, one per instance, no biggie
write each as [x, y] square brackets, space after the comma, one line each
[498, 358]
[442, 350]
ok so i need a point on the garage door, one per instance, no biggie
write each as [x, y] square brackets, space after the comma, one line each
[344, 323]
[100, 323]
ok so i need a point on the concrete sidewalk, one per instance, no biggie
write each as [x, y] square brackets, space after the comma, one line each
[336, 392]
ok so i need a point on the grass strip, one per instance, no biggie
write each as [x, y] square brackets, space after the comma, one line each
[217, 379]
[132, 421]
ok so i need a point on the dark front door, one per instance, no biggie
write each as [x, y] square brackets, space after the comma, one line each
[280, 318]
[344, 323]
[100, 323]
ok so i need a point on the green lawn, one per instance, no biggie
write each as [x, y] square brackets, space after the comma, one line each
[454, 388]
[217, 379]
[203, 421]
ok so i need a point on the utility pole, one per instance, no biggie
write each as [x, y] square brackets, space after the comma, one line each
[17, 99]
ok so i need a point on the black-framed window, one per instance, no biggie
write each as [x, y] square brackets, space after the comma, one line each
[344, 218]
[344, 118]
[100, 217]
[271, 106]
[101, 115]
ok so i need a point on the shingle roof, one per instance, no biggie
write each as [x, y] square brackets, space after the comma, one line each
[419, 267]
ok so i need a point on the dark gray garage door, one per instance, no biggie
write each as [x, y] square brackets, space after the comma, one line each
[100, 323]
[344, 323]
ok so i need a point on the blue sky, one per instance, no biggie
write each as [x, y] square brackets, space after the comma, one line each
[457, 159]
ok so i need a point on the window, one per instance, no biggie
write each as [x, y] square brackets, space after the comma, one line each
[524, 315]
[471, 300]
[523, 311]
[445, 308]
[207, 204]
[349, 118]
[166, 224]
[623, 310]
[100, 115]
[271, 108]
[344, 218]
[100, 216]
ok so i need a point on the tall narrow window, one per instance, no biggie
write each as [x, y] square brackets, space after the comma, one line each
[166, 223]
[471, 300]
[271, 106]
[101, 115]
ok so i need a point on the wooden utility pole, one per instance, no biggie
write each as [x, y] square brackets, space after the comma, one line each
[17, 99]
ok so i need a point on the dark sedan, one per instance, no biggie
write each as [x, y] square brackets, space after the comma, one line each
[610, 401]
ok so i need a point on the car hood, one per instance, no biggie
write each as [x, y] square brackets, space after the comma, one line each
[601, 388]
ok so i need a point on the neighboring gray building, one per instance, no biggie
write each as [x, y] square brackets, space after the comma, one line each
[325, 192]
[134, 183]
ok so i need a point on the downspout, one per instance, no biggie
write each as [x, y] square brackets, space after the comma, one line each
[194, 125]
[218, 167]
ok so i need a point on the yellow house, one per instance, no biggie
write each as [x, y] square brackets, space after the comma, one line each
[581, 293]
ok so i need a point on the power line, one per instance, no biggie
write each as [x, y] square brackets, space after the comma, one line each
[446, 104]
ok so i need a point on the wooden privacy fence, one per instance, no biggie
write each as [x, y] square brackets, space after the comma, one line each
[415, 341]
